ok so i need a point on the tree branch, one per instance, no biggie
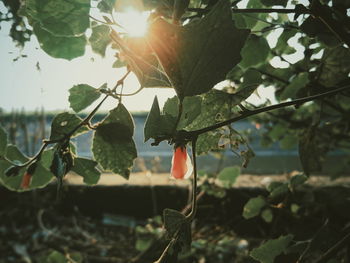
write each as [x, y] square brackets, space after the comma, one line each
[265, 109]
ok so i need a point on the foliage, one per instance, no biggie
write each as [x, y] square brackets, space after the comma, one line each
[191, 48]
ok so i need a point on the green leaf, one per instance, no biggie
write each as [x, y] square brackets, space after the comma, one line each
[297, 180]
[208, 141]
[335, 66]
[56, 257]
[282, 46]
[142, 61]
[218, 106]
[157, 124]
[254, 52]
[251, 77]
[279, 191]
[267, 215]
[191, 109]
[60, 46]
[299, 82]
[3, 141]
[268, 251]
[99, 39]
[243, 21]
[106, 6]
[64, 123]
[60, 17]
[314, 28]
[174, 222]
[198, 55]
[82, 96]
[113, 145]
[119, 64]
[87, 169]
[253, 207]
[228, 176]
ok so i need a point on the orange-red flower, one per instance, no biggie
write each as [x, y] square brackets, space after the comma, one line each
[181, 164]
[27, 177]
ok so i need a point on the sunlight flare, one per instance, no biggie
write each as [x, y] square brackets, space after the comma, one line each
[134, 22]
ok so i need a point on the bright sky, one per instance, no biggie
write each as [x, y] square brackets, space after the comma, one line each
[23, 86]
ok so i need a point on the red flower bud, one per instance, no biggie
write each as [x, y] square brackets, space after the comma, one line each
[26, 180]
[181, 164]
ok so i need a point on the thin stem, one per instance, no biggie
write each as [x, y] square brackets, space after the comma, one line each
[268, 10]
[192, 214]
[121, 81]
[129, 94]
[65, 137]
[265, 109]
[97, 20]
[253, 10]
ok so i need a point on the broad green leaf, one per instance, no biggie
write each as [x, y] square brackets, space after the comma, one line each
[87, 169]
[267, 215]
[198, 55]
[218, 106]
[82, 96]
[191, 109]
[253, 207]
[56, 257]
[158, 124]
[47, 157]
[60, 46]
[106, 6]
[335, 66]
[251, 77]
[207, 142]
[268, 251]
[297, 180]
[299, 82]
[63, 124]
[99, 39]
[3, 141]
[243, 21]
[254, 52]
[174, 222]
[118, 64]
[113, 146]
[228, 176]
[279, 191]
[60, 17]
[282, 46]
[141, 60]
[314, 28]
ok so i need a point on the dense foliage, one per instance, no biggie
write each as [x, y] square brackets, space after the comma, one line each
[190, 46]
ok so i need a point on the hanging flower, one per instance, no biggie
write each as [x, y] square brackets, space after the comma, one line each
[181, 165]
[27, 177]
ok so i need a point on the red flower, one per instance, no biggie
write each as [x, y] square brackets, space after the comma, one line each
[26, 180]
[181, 164]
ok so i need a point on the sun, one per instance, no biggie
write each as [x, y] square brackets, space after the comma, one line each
[133, 22]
